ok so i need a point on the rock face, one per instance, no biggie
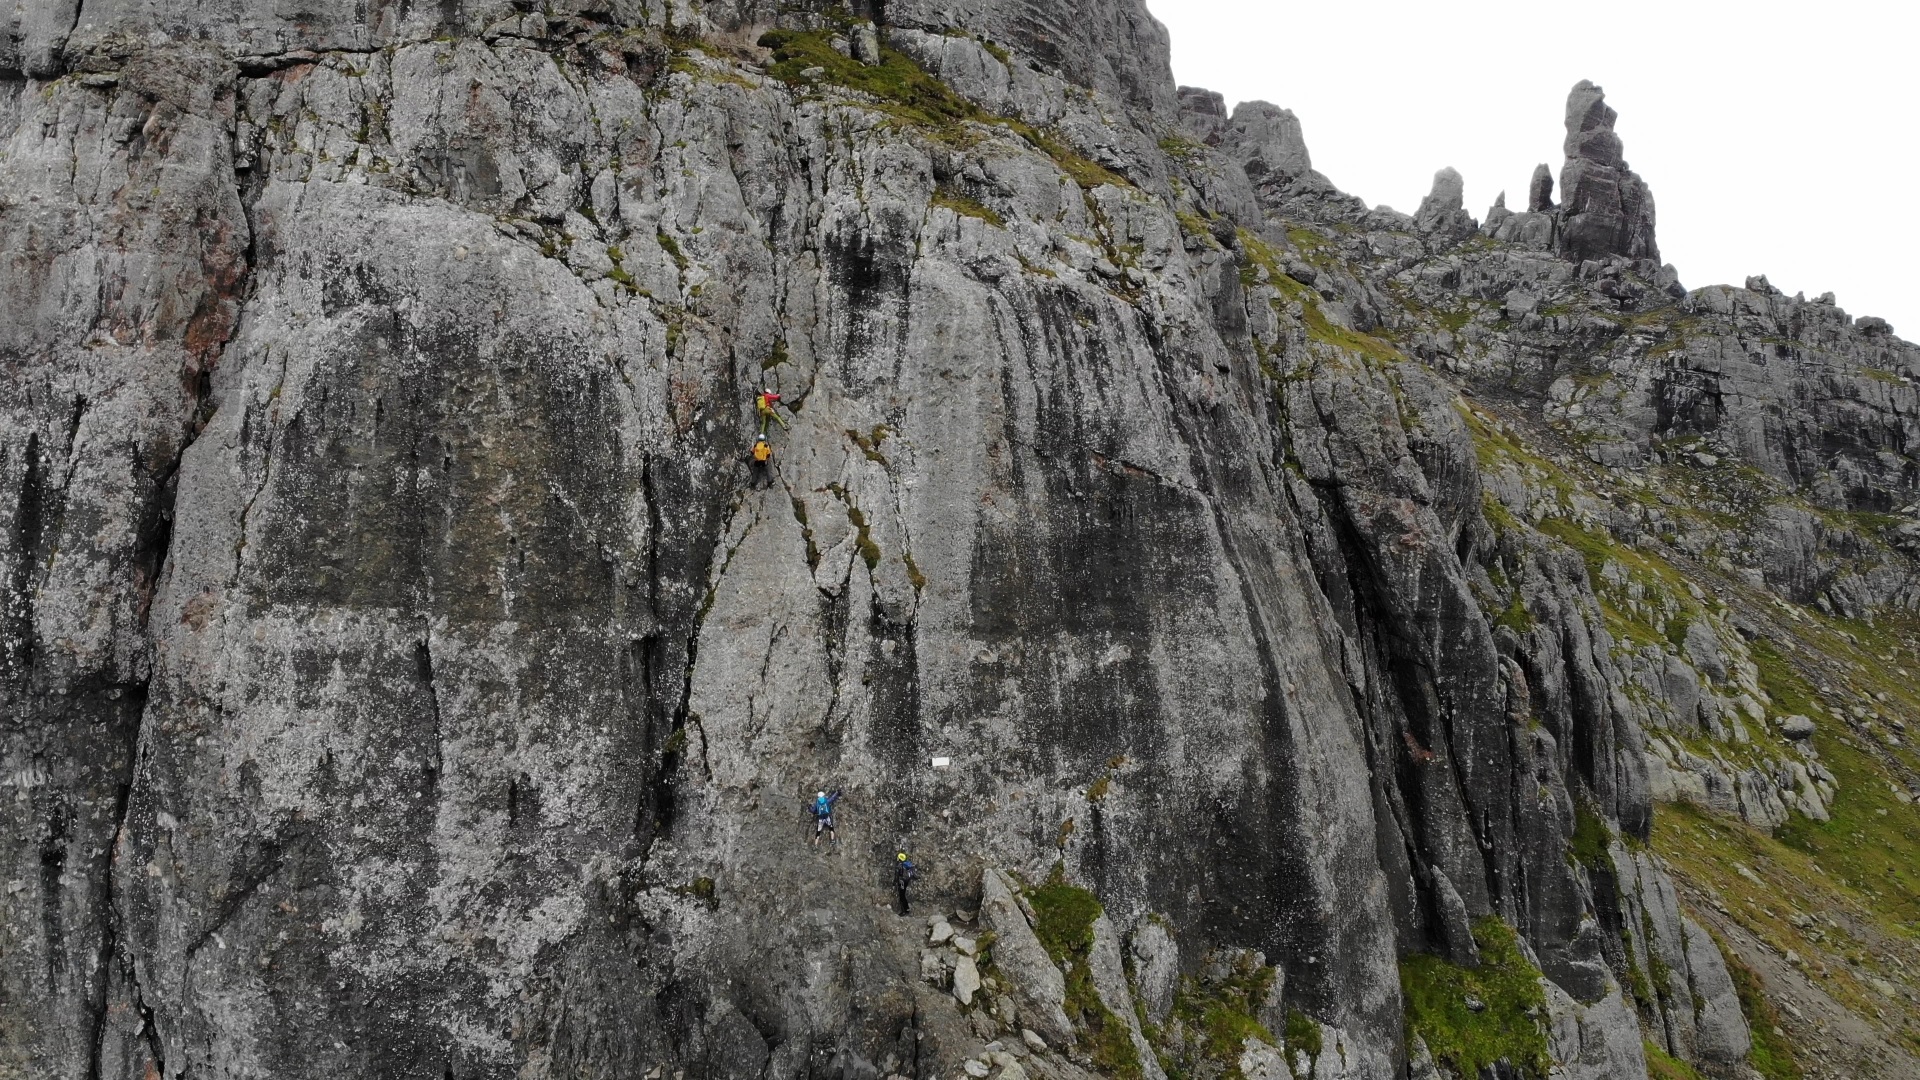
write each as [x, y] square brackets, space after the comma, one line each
[401, 677]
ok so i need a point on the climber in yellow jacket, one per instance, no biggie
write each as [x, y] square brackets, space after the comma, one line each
[762, 458]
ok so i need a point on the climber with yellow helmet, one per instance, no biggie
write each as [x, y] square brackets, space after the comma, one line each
[903, 874]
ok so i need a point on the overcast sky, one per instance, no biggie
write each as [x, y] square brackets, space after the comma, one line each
[1778, 140]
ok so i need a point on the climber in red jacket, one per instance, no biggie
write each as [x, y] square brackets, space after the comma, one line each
[764, 406]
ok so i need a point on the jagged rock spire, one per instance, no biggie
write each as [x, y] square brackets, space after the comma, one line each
[1540, 190]
[1444, 209]
[1608, 210]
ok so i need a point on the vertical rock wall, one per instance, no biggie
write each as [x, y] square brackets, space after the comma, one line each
[402, 678]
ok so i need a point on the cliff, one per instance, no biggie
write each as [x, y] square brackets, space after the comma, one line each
[403, 678]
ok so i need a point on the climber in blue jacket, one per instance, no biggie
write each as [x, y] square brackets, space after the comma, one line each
[823, 816]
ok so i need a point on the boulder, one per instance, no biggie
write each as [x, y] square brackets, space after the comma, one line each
[1019, 957]
[966, 980]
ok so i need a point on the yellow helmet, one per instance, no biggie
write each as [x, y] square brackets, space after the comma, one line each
[902, 856]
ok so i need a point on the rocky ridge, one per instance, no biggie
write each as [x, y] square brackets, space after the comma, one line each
[401, 679]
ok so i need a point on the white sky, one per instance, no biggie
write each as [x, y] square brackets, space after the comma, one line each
[1778, 139]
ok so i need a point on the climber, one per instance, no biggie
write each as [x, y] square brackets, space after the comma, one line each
[762, 462]
[903, 875]
[764, 406]
[823, 816]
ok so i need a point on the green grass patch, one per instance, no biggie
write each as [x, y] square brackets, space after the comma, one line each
[1303, 1035]
[967, 207]
[1439, 997]
[1194, 225]
[1516, 618]
[1711, 852]
[1664, 1066]
[1063, 921]
[1314, 247]
[672, 247]
[1772, 1055]
[1661, 587]
[903, 90]
[869, 444]
[1182, 149]
[1261, 256]
[1494, 445]
[776, 356]
[1871, 843]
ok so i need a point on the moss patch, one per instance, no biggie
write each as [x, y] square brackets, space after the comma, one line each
[1213, 1019]
[869, 551]
[1440, 999]
[1591, 838]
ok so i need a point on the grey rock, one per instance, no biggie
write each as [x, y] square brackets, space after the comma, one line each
[1110, 983]
[935, 969]
[1261, 1061]
[1203, 113]
[1456, 926]
[1268, 143]
[1600, 1041]
[1721, 1036]
[966, 979]
[865, 42]
[1796, 727]
[1156, 966]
